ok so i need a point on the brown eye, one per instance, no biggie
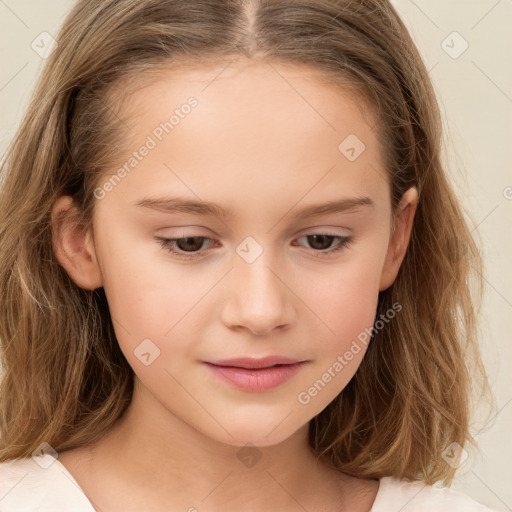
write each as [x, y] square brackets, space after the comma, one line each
[321, 243]
[186, 247]
[190, 244]
[191, 247]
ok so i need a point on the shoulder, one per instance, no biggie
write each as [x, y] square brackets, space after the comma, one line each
[39, 484]
[417, 496]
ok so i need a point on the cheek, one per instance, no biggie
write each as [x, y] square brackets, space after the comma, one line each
[152, 301]
[346, 298]
[146, 297]
[345, 301]
[156, 305]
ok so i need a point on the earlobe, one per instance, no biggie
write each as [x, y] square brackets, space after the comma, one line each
[400, 238]
[73, 245]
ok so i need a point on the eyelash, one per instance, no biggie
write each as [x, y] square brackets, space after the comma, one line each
[169, 243]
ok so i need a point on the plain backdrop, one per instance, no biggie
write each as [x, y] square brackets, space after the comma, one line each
[467, 46]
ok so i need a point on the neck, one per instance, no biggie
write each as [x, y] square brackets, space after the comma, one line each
[156, 450]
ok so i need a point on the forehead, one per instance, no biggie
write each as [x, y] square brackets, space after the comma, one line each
[246, 81]
[257, 128]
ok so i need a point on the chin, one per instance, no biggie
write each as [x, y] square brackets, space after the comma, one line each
[258, 432]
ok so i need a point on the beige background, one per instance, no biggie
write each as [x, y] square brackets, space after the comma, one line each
[474, 88]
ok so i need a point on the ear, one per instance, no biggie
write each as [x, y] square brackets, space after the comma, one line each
[400, 236]
[73, 245]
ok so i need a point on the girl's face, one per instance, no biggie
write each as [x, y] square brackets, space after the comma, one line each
[275, 185]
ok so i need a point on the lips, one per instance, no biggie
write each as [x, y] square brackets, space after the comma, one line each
[253, 374]
[255, 363]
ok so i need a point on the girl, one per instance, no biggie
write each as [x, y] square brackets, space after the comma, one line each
[310, 351]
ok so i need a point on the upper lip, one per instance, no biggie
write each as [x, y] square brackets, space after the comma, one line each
[252, 362]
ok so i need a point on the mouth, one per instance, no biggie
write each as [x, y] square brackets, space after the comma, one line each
[255, 375]
[253, 363]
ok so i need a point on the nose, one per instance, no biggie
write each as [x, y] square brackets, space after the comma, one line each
[257, 297]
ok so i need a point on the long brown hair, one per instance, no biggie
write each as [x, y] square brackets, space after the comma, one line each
[65, 380]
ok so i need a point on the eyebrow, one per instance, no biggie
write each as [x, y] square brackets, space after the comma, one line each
[184, 205]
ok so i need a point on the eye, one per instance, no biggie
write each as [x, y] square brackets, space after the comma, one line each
[190, 244]
[190, 247]
[323, 241]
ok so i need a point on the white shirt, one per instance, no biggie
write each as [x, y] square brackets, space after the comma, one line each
[43, 484]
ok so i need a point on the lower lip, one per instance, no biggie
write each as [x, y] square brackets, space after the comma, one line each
[255, 380]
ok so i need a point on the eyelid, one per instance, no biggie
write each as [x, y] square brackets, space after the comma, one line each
[343, 242]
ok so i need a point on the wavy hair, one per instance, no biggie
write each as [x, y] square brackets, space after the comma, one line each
[64, 378]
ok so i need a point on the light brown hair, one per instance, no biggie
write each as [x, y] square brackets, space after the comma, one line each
[65, 380]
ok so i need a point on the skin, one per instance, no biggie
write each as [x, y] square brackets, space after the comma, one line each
[265, 150]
